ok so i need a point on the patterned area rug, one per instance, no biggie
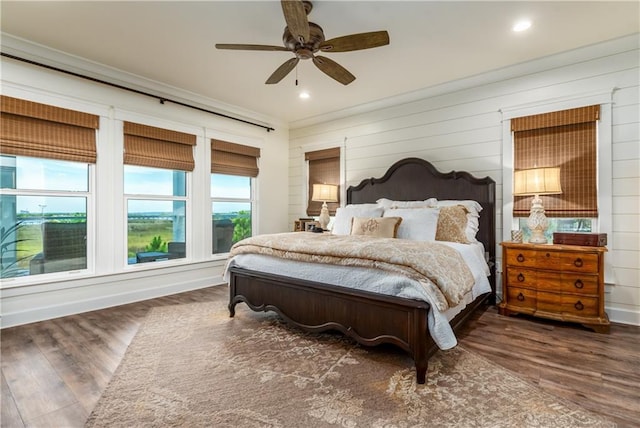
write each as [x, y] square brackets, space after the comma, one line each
[194, 366]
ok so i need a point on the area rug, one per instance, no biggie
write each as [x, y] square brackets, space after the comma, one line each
[194, 366]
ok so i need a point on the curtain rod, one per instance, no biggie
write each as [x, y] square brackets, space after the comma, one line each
[115, 85]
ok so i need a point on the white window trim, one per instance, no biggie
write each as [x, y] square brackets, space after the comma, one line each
[604, 97]
[89, 196]
[120, 262]
[255, 183]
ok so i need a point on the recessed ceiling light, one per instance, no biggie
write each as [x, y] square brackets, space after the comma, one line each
[522, 25]
[304, 95]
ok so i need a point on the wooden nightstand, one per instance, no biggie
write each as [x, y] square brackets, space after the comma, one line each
[560, 282]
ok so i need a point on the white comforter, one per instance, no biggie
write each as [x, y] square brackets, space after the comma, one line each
[380, 282]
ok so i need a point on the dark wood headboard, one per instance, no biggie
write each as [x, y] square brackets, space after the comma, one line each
[415, 179]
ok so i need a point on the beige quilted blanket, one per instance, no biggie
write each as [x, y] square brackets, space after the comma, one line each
[439, 268]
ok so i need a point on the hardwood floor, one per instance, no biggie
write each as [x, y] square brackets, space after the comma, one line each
[53, 372]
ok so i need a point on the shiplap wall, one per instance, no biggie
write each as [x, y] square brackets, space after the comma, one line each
[458, 126]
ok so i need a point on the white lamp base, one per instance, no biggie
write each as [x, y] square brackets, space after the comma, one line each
[537, 222]
[324, 216]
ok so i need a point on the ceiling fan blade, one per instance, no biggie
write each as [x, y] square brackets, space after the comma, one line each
[296, 18]
[250, 47]
[334, 70]
[282, 71]
[356, 42]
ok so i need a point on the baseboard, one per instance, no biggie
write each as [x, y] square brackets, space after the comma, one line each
[623, 316]
[103, 300]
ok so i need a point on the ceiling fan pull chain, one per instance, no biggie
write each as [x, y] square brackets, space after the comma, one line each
[296, 74]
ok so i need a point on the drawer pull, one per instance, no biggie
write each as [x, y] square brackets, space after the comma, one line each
[578, 262]
[520, 277]
[579, 306]
[578, 283]
[520, 258]
[521, 297]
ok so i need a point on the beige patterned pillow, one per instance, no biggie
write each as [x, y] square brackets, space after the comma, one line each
[381, 227]
[452, 223]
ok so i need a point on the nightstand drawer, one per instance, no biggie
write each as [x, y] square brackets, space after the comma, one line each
[522, 277]
[531, 258]
[566, 283]
[579, 262]
[583, 306]
[521, 297]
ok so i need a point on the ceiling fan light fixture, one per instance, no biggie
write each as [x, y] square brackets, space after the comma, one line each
[304, 95]
[304, 39]
[522, 25]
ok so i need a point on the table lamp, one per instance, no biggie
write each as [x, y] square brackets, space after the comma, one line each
[324, 193]
[537, 181]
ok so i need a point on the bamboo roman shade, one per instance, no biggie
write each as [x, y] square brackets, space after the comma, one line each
[564, 139]
[157, 147]
[38, 130]
[324, 168]
[234, 159]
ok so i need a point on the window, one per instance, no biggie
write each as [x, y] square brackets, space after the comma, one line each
[156, 201]
[45, 169]
[44, 216]
[231, 208]
[323, 168]
[565, 139]
[157, 162]
[233, 170]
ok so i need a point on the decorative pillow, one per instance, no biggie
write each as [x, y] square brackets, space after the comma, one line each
[389, 204]
[418, 224]
[342, 220]
[452, 224]
[380, 227]
[473, 214]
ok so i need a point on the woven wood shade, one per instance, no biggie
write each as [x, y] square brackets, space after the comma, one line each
[565, 139]
[324, 168]
[38, 130]
[157, 147]
[234, 159]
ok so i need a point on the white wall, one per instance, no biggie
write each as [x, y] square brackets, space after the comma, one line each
[111, 281]
[459, 126]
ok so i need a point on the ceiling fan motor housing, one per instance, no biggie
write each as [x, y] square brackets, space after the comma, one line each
[304, 50]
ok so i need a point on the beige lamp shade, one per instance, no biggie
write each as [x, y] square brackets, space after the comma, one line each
[537, 181]
[325, 193]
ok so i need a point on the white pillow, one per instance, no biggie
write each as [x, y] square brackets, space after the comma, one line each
[473, 213]
[418, 224]
[342, 220]
[389, 204]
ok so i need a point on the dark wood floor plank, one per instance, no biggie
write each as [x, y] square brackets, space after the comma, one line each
[74, 358]
[30, 377]
[9, 414]
[599, 372]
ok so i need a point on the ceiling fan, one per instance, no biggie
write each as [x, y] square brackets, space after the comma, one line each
[305, 39]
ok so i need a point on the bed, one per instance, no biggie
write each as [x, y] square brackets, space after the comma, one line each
[373, 318]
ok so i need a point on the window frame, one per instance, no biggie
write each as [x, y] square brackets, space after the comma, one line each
[603, 97]
[187, 198]
[90, 197]
[251, 200]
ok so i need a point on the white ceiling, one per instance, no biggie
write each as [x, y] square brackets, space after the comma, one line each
[430, 43]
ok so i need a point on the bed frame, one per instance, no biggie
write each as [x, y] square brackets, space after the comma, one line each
[370, 318]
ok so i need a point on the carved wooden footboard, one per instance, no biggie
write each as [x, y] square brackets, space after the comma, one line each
[372, 318]
[369, 318]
